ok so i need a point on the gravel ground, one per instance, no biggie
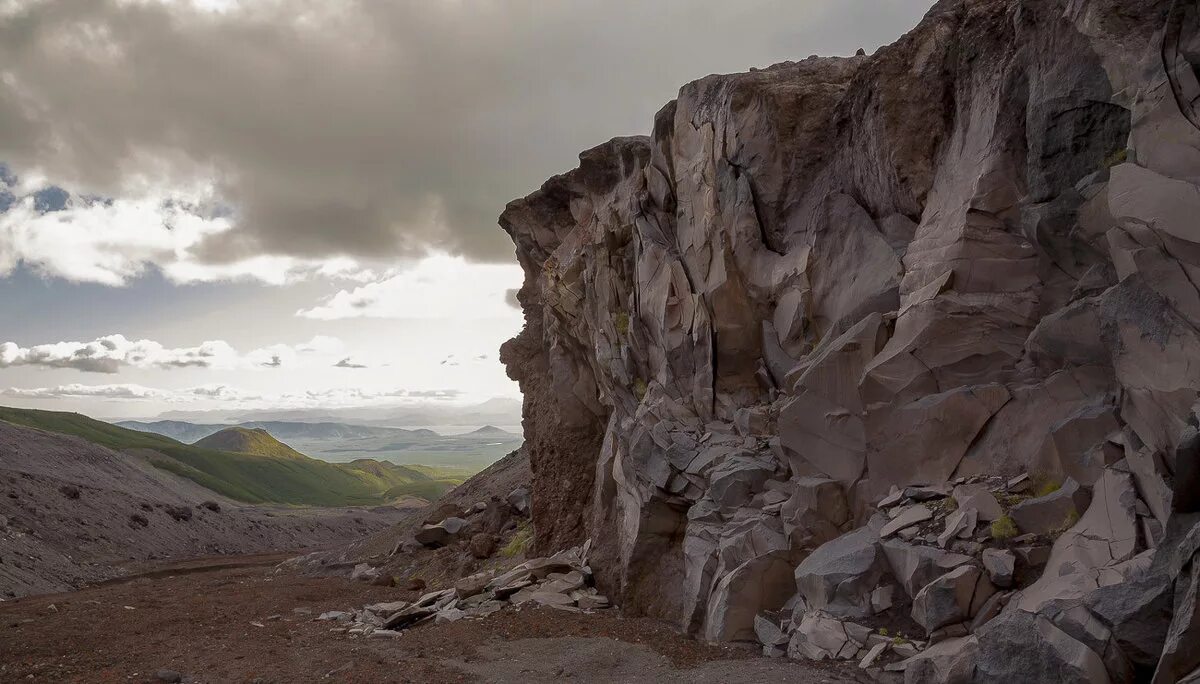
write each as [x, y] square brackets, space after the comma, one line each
[251, 623]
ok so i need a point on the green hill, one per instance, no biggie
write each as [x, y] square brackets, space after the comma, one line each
[263, 470]
[240, 440]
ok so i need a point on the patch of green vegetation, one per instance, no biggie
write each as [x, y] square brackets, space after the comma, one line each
[1004, 528]
[1118, 157]
[883, 631]
[1044, 485]
[621, 322]
[268, 471]
[519, 542]
[639, 389]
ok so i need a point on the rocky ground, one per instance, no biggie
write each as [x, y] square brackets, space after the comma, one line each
[73, 513]
[255, 624]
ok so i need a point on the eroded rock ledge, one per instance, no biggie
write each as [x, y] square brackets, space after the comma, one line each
[969, 257]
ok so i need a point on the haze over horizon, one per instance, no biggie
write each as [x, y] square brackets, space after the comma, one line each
[237, 206]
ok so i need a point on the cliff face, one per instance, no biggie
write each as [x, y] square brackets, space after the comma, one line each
[974, 253]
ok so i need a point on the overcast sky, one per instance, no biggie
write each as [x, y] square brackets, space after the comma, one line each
[292, 203]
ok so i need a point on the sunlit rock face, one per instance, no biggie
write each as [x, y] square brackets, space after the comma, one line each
[975, 252]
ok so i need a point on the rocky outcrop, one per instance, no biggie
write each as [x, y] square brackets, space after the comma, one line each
[830, 288]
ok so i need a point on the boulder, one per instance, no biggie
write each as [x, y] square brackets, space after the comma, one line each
[443, 533]
[1052, 512]
[839, 576]
[1025, 647]
[977, 497]
[482, 545]
[951, 661]
[914, 565]
[999, 564]
[542, 598]
[768, 631]
[1098, 550]
[951, 598]
[563, 583]
[815, 512]
[1138, 614]
[819, 636]
[472, 585]
[763, 583]
[518, 499]
[737, 479]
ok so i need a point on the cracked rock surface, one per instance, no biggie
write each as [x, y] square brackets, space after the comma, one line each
[857, 321]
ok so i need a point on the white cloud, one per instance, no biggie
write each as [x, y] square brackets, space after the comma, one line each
[233, 397]
[114, 241]
[123, 392]
[111, 353]
[437, 286]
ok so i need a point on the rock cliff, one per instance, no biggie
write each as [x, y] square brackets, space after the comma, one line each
[804, 355]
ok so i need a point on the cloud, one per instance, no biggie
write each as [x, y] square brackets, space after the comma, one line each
[437, 286]
[111, 353]
[116, 240]
[234, 397]
[347, 129]
[74, 391]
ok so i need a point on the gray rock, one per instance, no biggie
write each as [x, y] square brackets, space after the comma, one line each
[999, 565]
[815, 512]
[905, 517]
[1025, 647]
[977, 497]
[951, 661]
[914, 566]
[951, 598]
[1054, 511]
[1138, 613]
[819, 636]
[839, 576]
[763, 583]
[1179, 654]
[445, 532]
[519, 500]
[768, 631]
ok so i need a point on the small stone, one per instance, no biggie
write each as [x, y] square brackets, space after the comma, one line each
[999, 564]
[905, 518]
[873, 655]
[168, 676]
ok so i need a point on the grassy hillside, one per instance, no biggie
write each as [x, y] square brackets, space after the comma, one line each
[241, 440]
[277, 476]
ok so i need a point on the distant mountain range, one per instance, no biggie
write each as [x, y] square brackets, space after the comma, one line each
[496, 411]
[191, 432]
[345, 442]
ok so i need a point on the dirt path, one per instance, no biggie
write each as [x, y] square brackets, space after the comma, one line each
[248, 624]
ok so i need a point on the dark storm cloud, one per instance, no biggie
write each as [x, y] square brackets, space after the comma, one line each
[372, 129]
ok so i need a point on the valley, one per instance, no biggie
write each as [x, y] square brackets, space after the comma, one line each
[467, 450]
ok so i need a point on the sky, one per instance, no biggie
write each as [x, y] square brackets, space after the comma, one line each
[218, 204]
